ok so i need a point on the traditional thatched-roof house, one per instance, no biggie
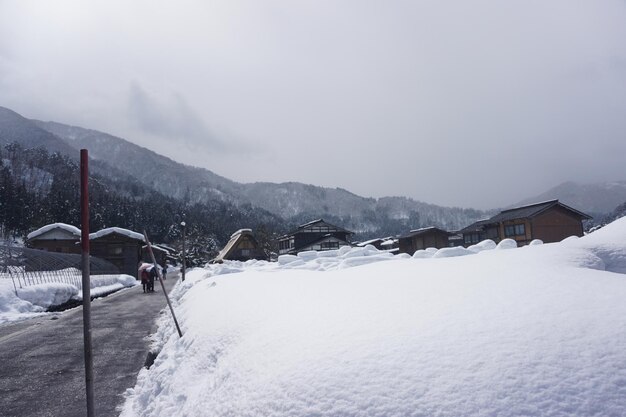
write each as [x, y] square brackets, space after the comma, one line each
[56, 237]
[242, 246]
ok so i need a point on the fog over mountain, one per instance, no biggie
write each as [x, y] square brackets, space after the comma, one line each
[594, 199]
[291, 200]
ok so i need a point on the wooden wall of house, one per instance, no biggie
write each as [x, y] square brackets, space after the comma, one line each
[121, 251]
[430, 240]
[556, 224]
[405, 245]
[422, 241]
[520, 239]
[302, 239]
[60, 246]
[159, 255]
[247, 248]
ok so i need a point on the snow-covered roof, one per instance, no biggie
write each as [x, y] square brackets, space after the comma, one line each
[118, 230]
[310, 223]
[368, 242]
[157, 247]
[240, 231]
[422, 229]
[167, 248]
[67, 227]
[232, 244]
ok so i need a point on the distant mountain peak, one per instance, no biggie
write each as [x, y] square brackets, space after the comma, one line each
[591, 198]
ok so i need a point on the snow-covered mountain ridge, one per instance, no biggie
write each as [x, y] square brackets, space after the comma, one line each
[290, 200]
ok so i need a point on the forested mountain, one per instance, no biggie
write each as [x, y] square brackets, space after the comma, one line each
[292, 201]
[37, 188]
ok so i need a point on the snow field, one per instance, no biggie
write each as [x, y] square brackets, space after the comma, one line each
[535, 331]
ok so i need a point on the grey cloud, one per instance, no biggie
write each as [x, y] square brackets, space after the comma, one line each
[471, 103]
[172, 119]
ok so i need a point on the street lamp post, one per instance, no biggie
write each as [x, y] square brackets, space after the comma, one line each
[184, 255]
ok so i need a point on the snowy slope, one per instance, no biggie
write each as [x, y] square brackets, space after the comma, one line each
[533, 331]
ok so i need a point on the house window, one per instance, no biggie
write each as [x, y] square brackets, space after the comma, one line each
[471, 238]
[115, 250]
[284, 244]
[514, 230]
[330, 245]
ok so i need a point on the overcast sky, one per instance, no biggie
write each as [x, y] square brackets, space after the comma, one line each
[469, 103]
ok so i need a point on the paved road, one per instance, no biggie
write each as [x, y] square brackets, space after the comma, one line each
[41, 360]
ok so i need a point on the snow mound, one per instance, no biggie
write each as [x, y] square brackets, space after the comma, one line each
[452, 252]
[286, 259]
[48, 294]
[307, 255]
[606, 243]
[535, 242]
[487, 244]
[424, 253]
[364, 260]
[35, 299]
[13, 308]
[506, 244]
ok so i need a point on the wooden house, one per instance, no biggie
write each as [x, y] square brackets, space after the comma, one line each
[242, 246]
[119, 246]
[316, 235]
[428, 237]
[550, 221]
[479, 231]
[160, 254]
[56, 237]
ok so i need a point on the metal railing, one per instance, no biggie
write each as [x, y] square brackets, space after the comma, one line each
[28, 267]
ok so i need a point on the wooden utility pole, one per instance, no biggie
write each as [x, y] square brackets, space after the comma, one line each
[167, 298]
[84, 237]
[184, 255]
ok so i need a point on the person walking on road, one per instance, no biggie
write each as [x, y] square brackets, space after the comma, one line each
[164, 271]
[152, 275]
[145, 278]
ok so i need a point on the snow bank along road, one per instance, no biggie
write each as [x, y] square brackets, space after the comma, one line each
[488, 331]
[42, 369]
